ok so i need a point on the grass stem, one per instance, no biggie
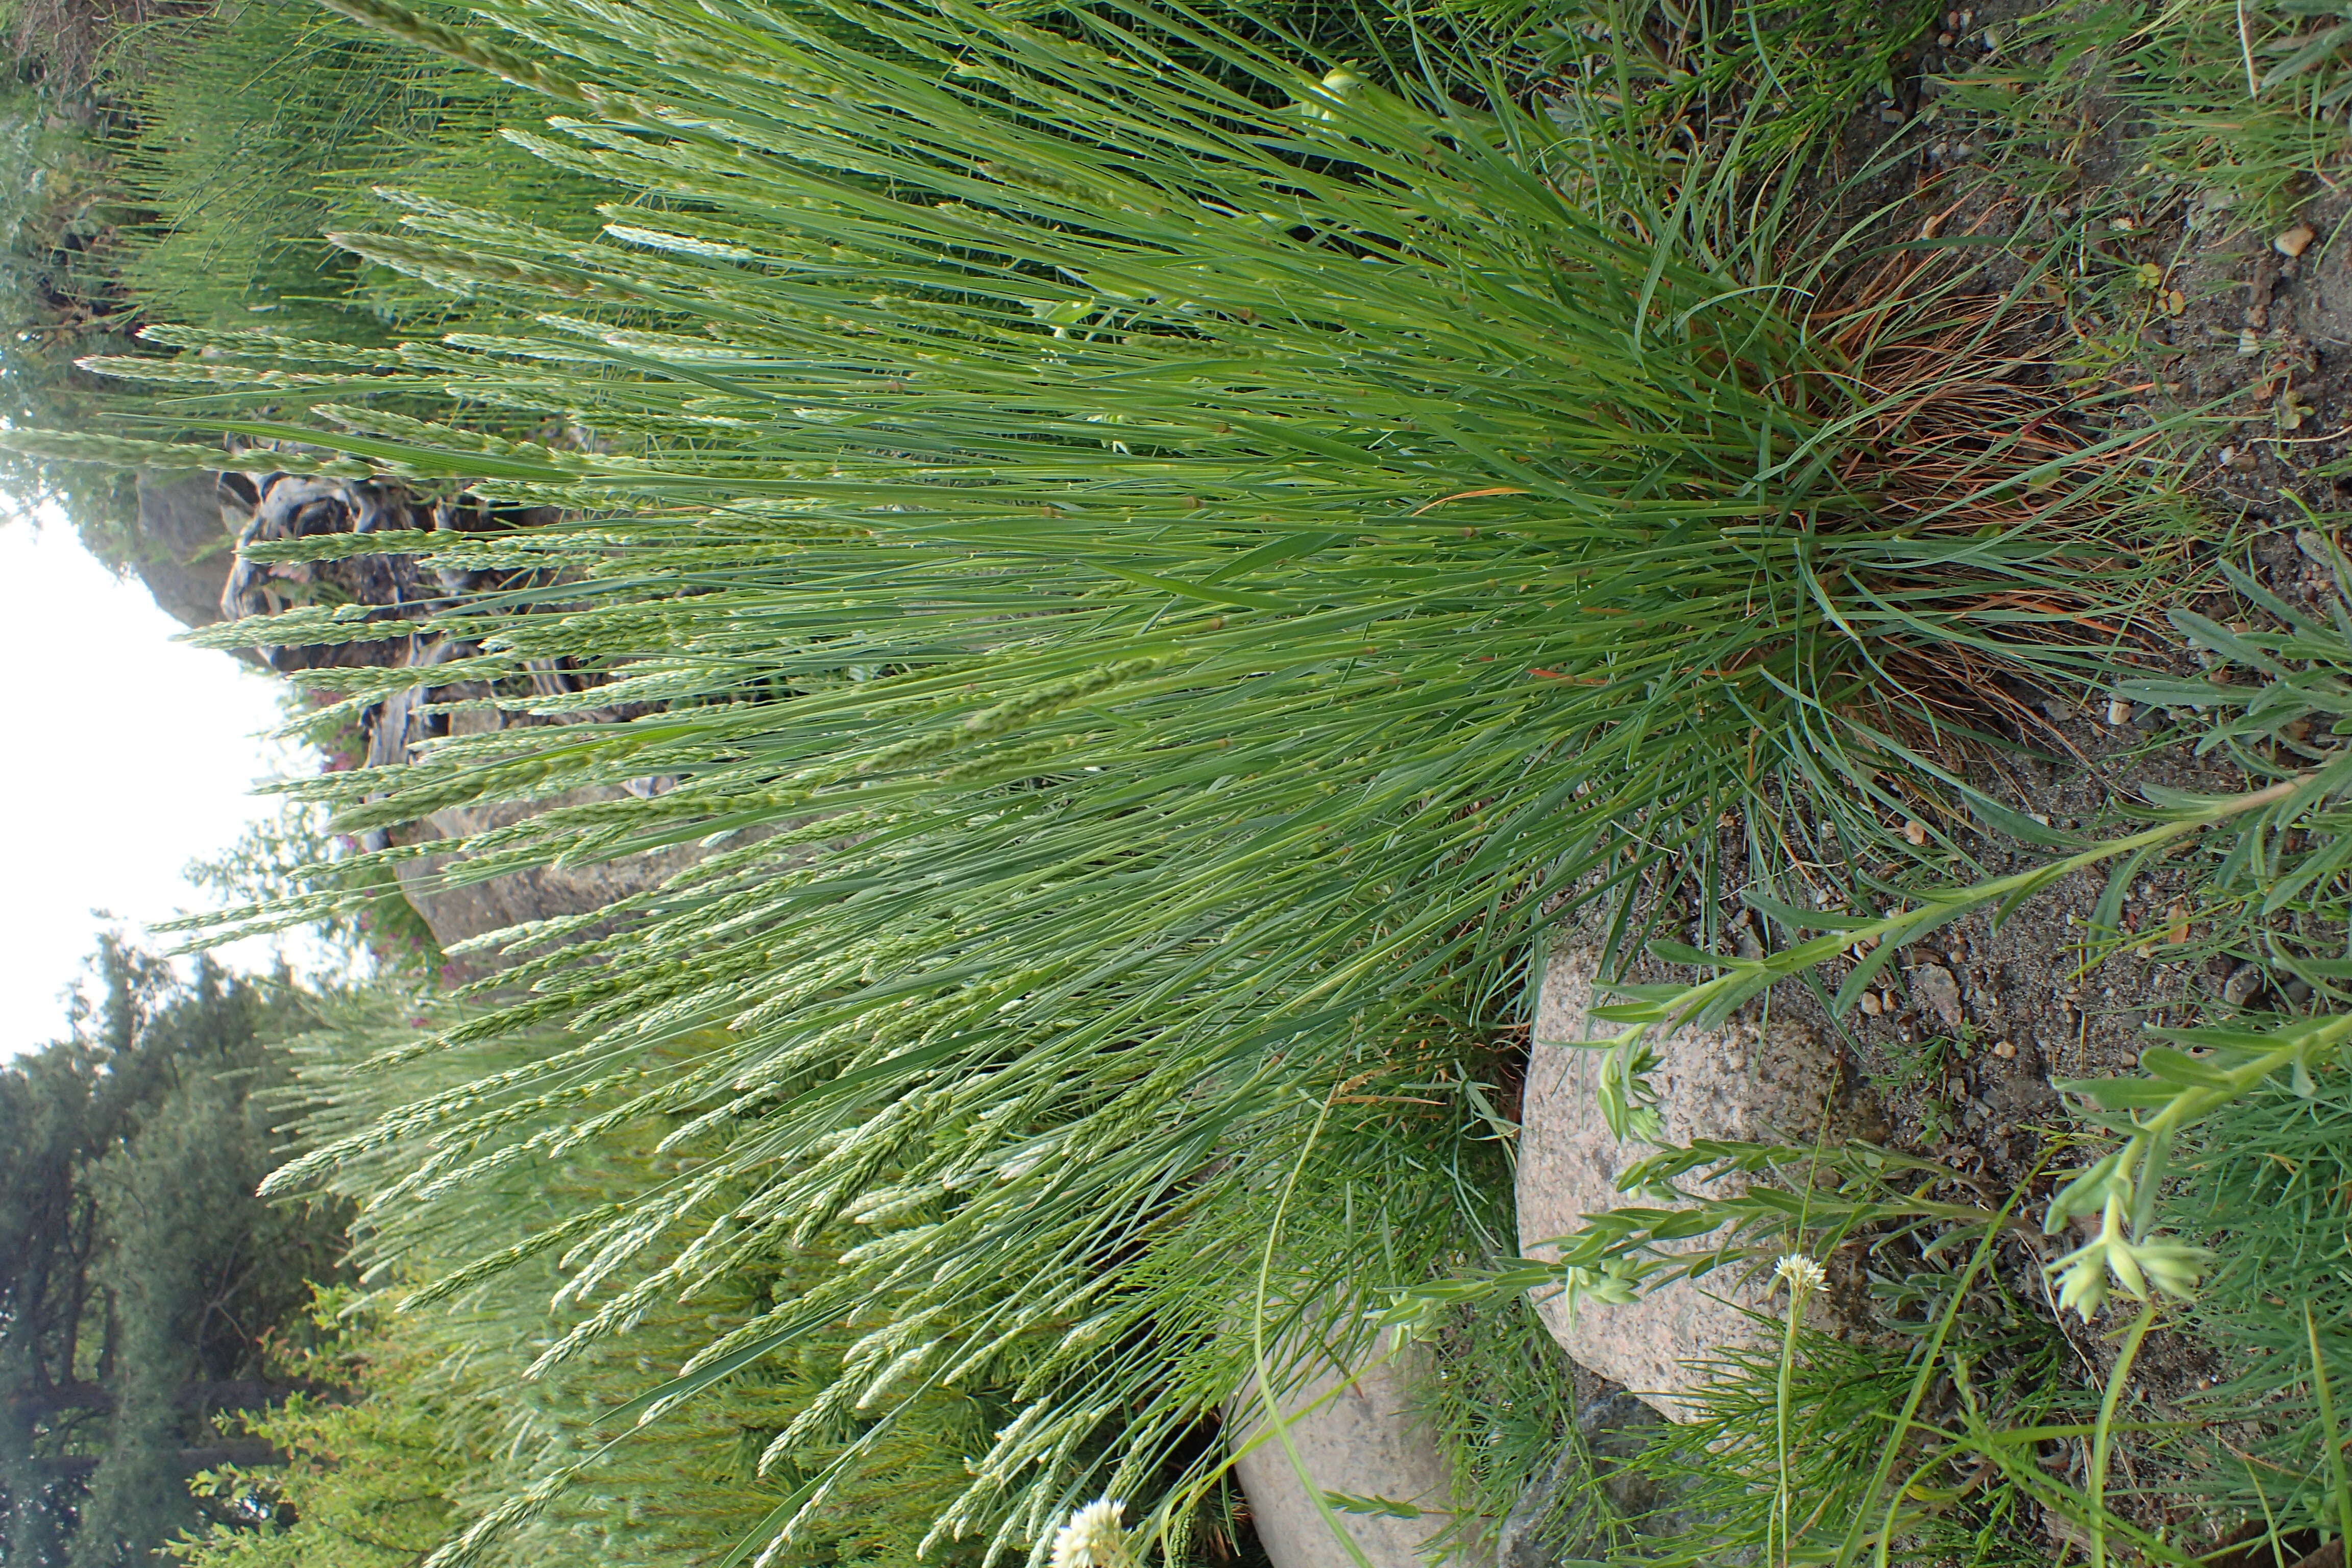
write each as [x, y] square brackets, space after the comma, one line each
[2327, 1433]
[2100, 1436]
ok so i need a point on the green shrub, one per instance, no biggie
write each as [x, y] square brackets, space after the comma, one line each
[59, 218]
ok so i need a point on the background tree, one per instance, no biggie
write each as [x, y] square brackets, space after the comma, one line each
[144, 1289]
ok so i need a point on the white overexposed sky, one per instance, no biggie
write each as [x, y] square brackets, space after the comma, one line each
[124, 756]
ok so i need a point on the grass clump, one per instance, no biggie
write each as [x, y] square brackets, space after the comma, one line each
[2245, 100]
[478, 1428]
[256, 129]
[1758, 85]
[1164, 555]
[2266, 1180]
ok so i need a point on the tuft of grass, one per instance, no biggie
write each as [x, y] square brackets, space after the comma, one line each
[1663, 84]
[465, 1441]
[2243, 101]
[1163, 556]
[2265, 1181]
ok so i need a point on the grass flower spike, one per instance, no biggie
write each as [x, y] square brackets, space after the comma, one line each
[1803, 1276]
[1092, 1538]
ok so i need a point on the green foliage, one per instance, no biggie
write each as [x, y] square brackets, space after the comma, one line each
[506, 1392]
[196, 183]
[1719, 1475]
[1758, 83]
[2266, 1181]
[2275, 889]
[142, 1282]
[1190, 565]
[824, 1406]
[58, 216]
[1918, 1442]
[368, 1480]
[1502, 1402]
[2243, 98]
[261, 126]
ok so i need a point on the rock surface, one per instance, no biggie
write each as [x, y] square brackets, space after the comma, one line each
[187, 523]
[459, 913]
[1933, 987]
[1365, 1440]
[1741, 1081]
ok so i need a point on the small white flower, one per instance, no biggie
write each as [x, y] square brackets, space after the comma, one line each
[1092, 1538]
[1804, 1275]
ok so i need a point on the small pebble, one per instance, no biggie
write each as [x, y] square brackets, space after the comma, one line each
[2004, 1050]
[1870, 1004]
[2119, 712]
[2294, 241]
[1933, 984]
[1915, 832]
[2244, 982]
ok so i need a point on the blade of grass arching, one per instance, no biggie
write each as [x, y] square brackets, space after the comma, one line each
[1267, 1400]
[2269, 1519]
[2102, 1433]
[2328, 1431]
